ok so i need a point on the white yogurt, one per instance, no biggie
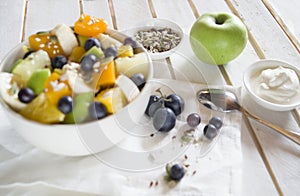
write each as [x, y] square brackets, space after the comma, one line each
[279, 85]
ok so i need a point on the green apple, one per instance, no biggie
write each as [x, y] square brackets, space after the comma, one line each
[38, 79]
[218, 38]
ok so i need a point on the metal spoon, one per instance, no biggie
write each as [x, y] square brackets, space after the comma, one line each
[226, 101]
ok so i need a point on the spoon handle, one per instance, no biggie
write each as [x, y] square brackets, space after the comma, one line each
[295, 137]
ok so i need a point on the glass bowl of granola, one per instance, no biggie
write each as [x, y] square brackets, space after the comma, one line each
[160, 37]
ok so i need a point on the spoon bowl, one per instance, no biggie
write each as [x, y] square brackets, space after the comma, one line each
[222, 100]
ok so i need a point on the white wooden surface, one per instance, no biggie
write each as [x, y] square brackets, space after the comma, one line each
[271, 163]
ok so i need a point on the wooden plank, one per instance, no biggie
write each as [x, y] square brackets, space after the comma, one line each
[11, 24]
[42, 15]
[280, 152]
[183, 15]
[129, 14]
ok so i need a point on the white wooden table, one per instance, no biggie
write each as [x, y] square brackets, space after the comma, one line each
[271, 163]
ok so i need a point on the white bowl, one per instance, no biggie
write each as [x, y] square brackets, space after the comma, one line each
[157, 23]
[254, 70]
[79, 139]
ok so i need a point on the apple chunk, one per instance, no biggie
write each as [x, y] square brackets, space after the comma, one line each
[218, 38]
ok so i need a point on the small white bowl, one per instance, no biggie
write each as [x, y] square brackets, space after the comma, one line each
[254, 70]
[157, 24]
[79, 139]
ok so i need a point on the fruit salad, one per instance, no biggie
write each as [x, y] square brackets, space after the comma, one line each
[74, 74]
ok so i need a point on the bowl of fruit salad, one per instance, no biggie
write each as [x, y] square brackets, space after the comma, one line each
[75, 90]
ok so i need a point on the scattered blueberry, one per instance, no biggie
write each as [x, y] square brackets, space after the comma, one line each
[59, 61]
[139, 80]
[152, 99]
[97, 110]
[210, 131]
[111, 52]
[164, 119]
[193, 119]
[91, 42]
[176, 172]
[87, 62]
[65, 104]
[26, 95]
[175, 102]
[216, 121]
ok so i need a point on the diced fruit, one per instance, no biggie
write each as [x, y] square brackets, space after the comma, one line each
[27, 54]
[16, 64]
[132, 65]
[59, 61]
[65, 104]
[87, 63]
[89, 26]
[216, 121]
[113, 99]
[91, 42]
[42, 110]
[193, 120]
[164, 119]
[139, 80]
[107, 75]
[80, 111]
[111, 52]
[152, 99]
[175, 102]
[176, 172]
[55, 88]
[129, 89]
[125, 50]
[77, 54]
[38, 79]
[107, 41]
[82, 39]
[95, 51]
[210, 131]
[9, 91]
[97, 110]
[66, 38]
[34, 61]
[130, 41]
[46, 42]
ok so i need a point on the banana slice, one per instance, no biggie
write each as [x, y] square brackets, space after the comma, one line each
[107, 41]
[9, 91]
[66, 38]
[129, 89]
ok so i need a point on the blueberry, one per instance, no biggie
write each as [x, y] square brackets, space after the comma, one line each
[87, 62]
[130, 41]
[152, 99]
[97, 110]
[210, 131]
[26, 95]
[91, 42]
[176, 172]
[59, 61]
[216, 121]
[155, 106]
[193, 120]
[111, 52]
[139, 80]
[164, 119]
[65, 104]
[175, 102]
